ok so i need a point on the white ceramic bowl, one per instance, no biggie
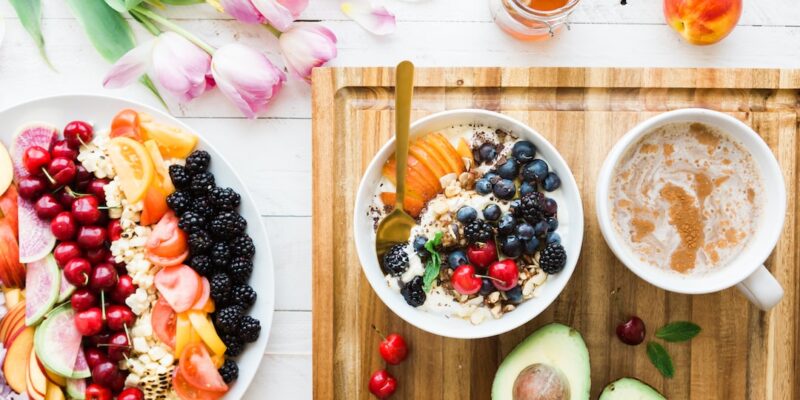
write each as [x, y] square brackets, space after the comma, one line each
[570, 216]
[59, 110]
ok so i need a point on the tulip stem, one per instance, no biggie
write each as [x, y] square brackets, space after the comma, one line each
[145, 22]
[273, 30]
[175, 28]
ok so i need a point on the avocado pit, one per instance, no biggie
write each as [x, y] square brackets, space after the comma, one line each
[540, 382]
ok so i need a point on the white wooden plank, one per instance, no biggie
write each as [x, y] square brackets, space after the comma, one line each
[291, 334]
[290, 242]
[282, 377]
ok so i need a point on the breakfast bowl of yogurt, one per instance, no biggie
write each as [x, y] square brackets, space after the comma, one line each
[499, 225]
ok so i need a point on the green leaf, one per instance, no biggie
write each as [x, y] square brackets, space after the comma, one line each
[434, 264]
[129, 4]
[678, 331]
[117, 5]
[29, 13]
[182, 2]
[107, 30]
[660, 358]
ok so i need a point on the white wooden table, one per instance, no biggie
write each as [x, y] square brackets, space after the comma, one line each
[276, 162]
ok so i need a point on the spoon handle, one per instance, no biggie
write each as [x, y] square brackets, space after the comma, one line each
[404, 87]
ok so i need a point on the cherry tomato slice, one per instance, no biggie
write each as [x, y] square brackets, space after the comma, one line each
[202, 298]
[126, 123]
[179, 286]
[168, 261]
[186, 391]
[199, 370]
[163, 322]
[167, 244]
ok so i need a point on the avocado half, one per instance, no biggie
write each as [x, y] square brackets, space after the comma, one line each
[550, 364]
[630, 389]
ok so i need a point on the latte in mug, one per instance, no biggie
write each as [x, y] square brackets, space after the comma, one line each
[686, 197]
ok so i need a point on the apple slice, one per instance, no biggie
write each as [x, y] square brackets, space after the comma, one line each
[16, 358]
[13, 296]
[6, 169]
[12, 322]
[54, 392]
[36, 375]
[447, 148]
[412, 205]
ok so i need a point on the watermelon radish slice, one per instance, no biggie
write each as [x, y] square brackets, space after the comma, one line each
[76, 389]
[81, 368]
[57, 341]
[43, 283]
[36, 240]
[35, 134]
[66, 290]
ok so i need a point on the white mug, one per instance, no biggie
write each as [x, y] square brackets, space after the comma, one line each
[746, 270]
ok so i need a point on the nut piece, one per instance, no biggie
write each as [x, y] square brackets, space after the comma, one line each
[496, 311]
[539, 278]
[452, 190]
[527, 289]
[476, 318]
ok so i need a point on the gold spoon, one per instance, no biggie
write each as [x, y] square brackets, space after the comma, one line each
[396, 227]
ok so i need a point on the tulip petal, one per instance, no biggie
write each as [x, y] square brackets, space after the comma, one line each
[243, 11]
[306, 47]
[130, 66]
[278, 15]
[180, 66]
[375, 19]
[294, 6]
[246, 77]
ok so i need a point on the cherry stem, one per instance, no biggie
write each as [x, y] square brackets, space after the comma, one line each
[127, 332]
[378, 331]
[489, 277]
[49, 178]
[85, 279]
[103, 303]
[74, 193]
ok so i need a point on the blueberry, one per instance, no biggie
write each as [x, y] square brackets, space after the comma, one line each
[514, 206]
[511, 246]
[483, 186]
[466, 214]
[531, 246]
[551, 182]
[504, 189]
[491, 212]
[523, 151]
[487, 287]
[550, 207]
[491, 176]
[508, 169]
[514, 294]
[534, 171]
[526, 187]
[419, 243]
[487, 152]
[540, 229]
[553, 222]
[456, 258]
[525, 231]
[507, 224]
[553, 237]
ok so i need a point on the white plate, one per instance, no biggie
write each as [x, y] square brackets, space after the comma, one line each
[99, 110]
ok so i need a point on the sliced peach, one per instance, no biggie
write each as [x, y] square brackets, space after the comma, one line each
[465, 151]
[412, 205]
[449, 150]
[436, 155]
[415, 164]
[12, 321]
[17, 357]
[430, 161]
[414, 182]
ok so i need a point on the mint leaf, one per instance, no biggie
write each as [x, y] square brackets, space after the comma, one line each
[660, 358]
[434, 263]
[678, 331]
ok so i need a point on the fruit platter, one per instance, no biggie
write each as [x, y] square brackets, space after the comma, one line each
[133, 262]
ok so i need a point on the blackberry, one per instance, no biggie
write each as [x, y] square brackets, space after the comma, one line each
[240, 270]
[202, 206]
[227, 319]
[249, 329]
[220, 254]
[412, 292]
[396, 260]
[224, 198]
[227, 225]
[245, 296]
[553, 258]
[478, 231]
[202, 183]
[191, 222]
[180, 176]
[243, 246]
[532, 208]
[220, 289]
[197, 162]
[201, 263]
[199, 242]
[179, 201]
[229, 371]
[233, 345]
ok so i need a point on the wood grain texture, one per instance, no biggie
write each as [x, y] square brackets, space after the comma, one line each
[741, 354]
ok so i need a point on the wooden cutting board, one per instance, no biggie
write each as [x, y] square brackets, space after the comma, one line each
[741, 354]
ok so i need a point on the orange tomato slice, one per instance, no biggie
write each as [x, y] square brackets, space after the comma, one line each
[155, 206]
[179, 286]
[167, 245]
[186, 391]
[197, 367]
[133, 165]
[162, 172]
[173, 142]
[164, 322]
[126, 124]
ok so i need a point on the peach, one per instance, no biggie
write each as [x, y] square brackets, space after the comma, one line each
[702, 22]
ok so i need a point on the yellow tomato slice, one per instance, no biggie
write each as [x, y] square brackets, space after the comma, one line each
[202, 324]
[173, 142]
[162, 173]
[133, 165]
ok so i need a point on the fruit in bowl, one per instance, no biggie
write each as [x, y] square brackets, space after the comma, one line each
[702, 22]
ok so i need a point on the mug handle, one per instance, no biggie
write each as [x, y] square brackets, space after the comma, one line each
[761, 288]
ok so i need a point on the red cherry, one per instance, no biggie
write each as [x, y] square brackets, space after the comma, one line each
[118, 346]
[464, 280]
[97, 392]
[118, 317]
[103, 276]
[131, 393]
[94, 356]
[91, 237]
[89, 322]
[82, 178]
[77, 133]
[63, 226]
[632, 331]
[35, 158]
[482, 255]
[98, 255]
[76, 271]
[105, 373]
[61, 149]
[66, 199]
[114, 230]
[47, 206]
[123, 289]
[31, 187]
[100, 339]
[505, 274]
[393, 349]
[83, 299]
[382, 384]
[95, 188]
[62, 170]
[66, 251]
[85, 210]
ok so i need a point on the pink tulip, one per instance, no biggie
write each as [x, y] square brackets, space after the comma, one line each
[278, 13]
[177, 66]
[306, 47]
[246, 77]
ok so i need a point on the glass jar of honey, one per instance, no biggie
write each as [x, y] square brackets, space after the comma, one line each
[531, 20]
